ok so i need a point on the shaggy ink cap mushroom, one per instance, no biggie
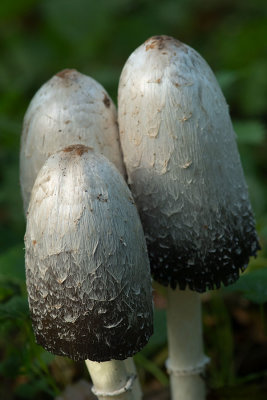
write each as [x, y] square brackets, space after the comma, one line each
[71, 108]
[184, 168]
[87, 269]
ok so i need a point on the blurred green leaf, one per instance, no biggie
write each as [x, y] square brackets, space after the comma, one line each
[152, 368]
[257, 194]
[9, 132]
[46, 357]
[12, 265]
[11, 365]
[227, 79]
[16, 307]
[159, 336]
[252, 285]
[31, 389]
[252, 89]
[249, 132]
[12, 9]
[220, 341]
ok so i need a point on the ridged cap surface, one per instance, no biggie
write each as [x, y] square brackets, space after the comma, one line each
[87, 269]
[184, 168]
[70, 108]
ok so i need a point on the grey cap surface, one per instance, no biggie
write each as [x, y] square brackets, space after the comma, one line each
[70, 108]
[184, 168]
[87, 269]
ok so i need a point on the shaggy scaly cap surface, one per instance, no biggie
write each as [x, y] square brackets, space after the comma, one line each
[87, 268]
[183, 165]
[71, 108]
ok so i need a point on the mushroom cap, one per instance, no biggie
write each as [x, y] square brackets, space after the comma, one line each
[87, 268]
[70, 108]
[180, 152]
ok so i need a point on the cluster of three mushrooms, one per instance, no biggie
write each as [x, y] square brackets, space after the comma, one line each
[186, 177]
[87, 270]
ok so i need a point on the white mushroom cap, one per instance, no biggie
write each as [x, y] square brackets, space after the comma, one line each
[184, 169]
[70, 108]
[87, 268]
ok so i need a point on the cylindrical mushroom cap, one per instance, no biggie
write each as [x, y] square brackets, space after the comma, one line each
[87, 268]
[70, 108]
[184, 169]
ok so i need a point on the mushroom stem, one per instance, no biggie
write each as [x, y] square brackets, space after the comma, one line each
[187, 360]
[130, 366]
[111, 380]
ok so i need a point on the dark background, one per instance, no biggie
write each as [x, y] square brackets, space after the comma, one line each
[39, 38]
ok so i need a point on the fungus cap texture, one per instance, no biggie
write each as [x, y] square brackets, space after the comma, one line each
[183, 165]
[70, 108]
[87, 269]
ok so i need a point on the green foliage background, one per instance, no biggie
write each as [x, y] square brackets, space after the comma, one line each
[37, 39]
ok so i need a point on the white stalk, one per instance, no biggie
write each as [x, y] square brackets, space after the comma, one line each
[130, 366]
[185, 174]
[70, 108]
[186, 363]
[100, 192]
[111, 379]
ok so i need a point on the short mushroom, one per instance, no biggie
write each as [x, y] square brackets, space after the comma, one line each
[70, 108]
[186, 177]
[87, 268]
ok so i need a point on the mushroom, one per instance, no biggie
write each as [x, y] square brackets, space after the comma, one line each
[87, 269]
[186, 177]
[70, 108]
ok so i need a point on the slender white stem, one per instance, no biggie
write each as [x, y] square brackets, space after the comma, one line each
[137, 391]
[111, 380]
[186, 361]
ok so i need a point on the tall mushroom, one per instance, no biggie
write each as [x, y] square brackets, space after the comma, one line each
[70, 108]
[87, 267]
[185, 173]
